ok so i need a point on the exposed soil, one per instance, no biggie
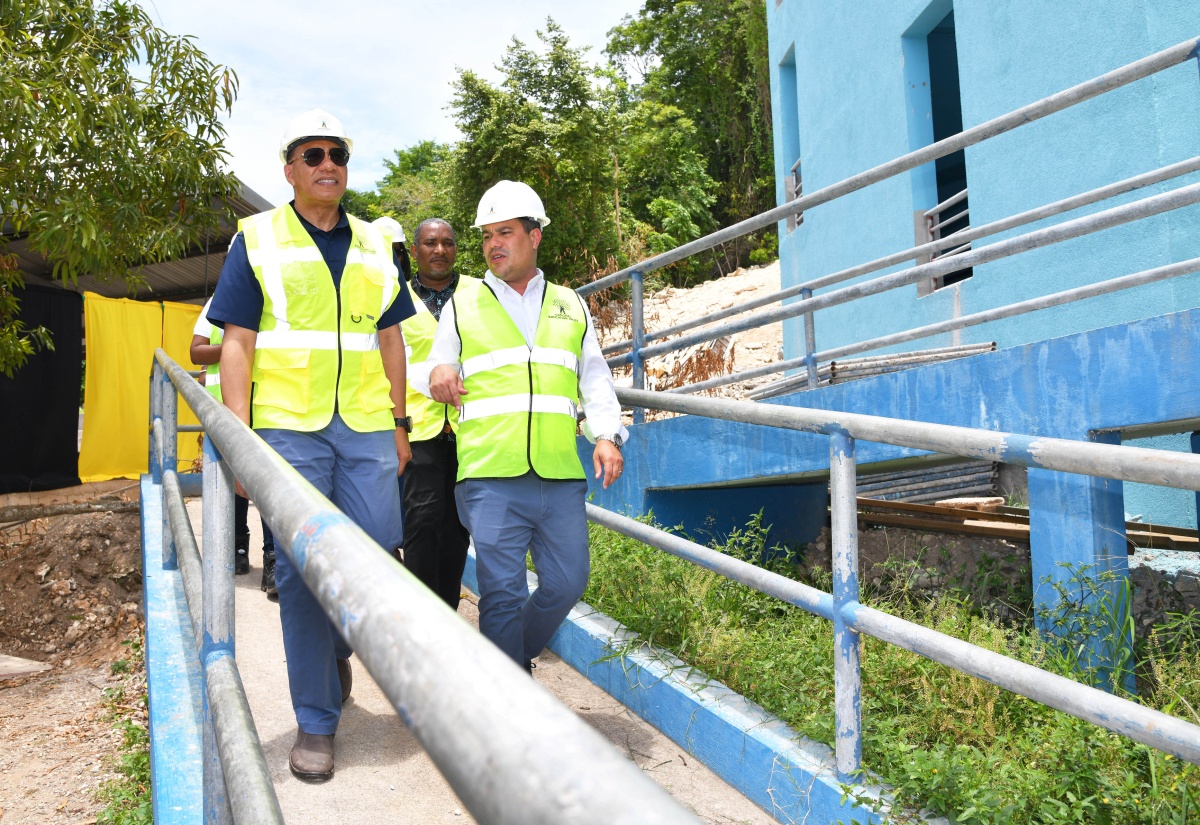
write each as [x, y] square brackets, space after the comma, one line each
[728, 354]
[70, 590]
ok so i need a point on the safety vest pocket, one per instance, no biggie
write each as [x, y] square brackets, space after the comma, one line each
[283, 379]
[374, 389]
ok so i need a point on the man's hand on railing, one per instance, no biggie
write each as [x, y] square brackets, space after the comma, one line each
[446, 385]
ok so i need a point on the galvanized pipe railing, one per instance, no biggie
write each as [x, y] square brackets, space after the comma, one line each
[955, 246]
[244, 793]
[1159, 730]
[1095, 87]
[508, 748]
[1136, 279]
[1161, 467]
[930, 249]
[1115, 216]
[1138, 722]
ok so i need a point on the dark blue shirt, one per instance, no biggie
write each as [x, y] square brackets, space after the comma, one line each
[238, 299]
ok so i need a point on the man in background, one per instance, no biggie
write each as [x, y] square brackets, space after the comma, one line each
[435, 540]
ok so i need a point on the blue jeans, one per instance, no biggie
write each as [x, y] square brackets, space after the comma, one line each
[357, 472]
[508, 517]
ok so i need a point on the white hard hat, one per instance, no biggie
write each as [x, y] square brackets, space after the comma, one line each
[316, 124]
[510, 199]
[391, 228]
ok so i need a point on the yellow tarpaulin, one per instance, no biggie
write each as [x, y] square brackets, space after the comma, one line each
[121, 336]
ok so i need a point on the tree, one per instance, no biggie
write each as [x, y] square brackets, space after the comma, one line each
[709, 59]
[549, 126]
[111, 150]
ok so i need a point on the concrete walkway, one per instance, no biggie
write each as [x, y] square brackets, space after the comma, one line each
[383, 775]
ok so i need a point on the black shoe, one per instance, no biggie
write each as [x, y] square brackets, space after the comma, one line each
[241, 561]
[346, 677]
[268, 577]
[311, 759]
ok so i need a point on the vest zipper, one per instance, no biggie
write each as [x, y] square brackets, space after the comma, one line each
[337, 385]
[529, 368]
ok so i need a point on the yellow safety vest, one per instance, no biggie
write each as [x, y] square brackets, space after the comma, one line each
[318, 345]
[212, 372]
[520, 413]
[429, 417]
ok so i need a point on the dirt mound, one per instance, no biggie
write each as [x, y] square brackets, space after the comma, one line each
[699, 362]
[70, 588]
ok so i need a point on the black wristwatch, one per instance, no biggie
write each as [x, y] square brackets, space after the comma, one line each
[405, 422]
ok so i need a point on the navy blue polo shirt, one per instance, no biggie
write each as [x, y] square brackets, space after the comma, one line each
[238, 299]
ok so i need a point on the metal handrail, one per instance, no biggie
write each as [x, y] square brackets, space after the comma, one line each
[508, 748]
[245, 793]
[1150, 727]
[932, 248]
[1115, 216]
[947, 203]
[1148, 276]
[1087, 90]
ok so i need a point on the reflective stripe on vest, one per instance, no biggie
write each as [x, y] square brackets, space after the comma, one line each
[307, 355]
[520, 411]
[429, 417]
[212, 373]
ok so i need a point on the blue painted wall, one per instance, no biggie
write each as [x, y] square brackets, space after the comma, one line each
[850, 79]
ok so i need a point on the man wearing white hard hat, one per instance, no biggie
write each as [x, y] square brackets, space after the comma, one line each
[519, 358]
[313, 358]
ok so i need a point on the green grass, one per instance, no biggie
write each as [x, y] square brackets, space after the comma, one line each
[945, 741]
[127, 797]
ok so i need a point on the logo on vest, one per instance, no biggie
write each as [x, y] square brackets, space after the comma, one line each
[562, 310]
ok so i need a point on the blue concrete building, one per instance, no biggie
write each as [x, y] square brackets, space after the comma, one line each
[857, 84]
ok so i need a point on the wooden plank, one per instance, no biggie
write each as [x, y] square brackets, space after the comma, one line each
[946, 512]
[975, 527]
[12, 668]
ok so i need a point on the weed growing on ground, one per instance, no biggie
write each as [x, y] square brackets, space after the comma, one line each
[127, 798]
[946, 742]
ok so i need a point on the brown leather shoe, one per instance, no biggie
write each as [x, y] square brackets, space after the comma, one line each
[312, 757]
[346, 677]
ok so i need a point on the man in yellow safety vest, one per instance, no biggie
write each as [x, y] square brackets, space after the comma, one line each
[435, 540]
[311, 305]
[518, 357]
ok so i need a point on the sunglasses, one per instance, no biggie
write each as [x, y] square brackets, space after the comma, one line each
[315, 156]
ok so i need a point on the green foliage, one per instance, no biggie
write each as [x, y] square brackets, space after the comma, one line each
[709, 60]
[546, 125]
[1092, 627]
[628, 167]
[412, 190]
[945, 741]
[111, 146]
[127, 798]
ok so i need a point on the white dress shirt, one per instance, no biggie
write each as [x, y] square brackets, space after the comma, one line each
[600, 403]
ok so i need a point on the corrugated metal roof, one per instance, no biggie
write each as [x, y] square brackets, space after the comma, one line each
[189, 279]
